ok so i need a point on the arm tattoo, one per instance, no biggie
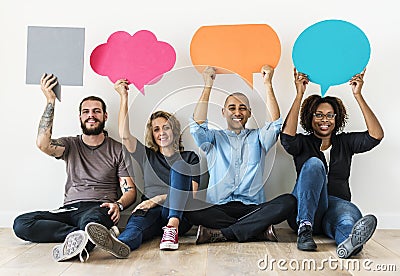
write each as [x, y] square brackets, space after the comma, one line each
[57, 143]
[125, 187]
[46, 121]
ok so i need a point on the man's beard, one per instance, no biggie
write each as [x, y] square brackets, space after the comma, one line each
[93, 131]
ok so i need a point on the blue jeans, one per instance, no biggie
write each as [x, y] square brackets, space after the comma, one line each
[140, 229]
[339, 219]
[330, 215]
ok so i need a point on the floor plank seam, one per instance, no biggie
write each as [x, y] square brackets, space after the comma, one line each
[386, 248]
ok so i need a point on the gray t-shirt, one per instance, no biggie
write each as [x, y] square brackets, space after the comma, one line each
[93, 172]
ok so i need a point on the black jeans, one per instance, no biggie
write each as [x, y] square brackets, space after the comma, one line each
[241, 222]
[45, 226]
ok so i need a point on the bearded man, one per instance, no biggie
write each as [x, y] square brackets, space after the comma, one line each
[96, 175]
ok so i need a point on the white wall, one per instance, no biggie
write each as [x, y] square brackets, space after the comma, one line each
[30, 180]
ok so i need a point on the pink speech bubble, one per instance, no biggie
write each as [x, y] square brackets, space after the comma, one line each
[140, 58]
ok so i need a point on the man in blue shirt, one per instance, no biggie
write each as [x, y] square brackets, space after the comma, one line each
[235, 158]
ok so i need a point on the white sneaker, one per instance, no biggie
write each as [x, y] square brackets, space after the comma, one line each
[115, 231]
[73, 245]
[105, 239]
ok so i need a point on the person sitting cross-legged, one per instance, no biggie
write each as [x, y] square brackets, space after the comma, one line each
[323, 159]
[171, 177]
[236, 208]
[96, 175]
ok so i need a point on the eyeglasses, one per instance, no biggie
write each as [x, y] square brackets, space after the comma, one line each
[320, 116]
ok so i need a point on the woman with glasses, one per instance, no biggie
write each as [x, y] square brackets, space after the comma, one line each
[323, 159]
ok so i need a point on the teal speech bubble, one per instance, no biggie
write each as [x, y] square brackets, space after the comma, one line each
[330, 52]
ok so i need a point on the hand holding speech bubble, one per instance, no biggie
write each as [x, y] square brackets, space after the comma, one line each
[242, 49]
[140, 58]
[331, 52]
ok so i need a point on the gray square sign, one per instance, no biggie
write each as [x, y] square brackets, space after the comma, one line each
[55, 50]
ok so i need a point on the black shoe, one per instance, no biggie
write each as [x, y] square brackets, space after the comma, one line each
[207, 235]
[358, 250]
[268, 235]
[305, 240]
[362, 231]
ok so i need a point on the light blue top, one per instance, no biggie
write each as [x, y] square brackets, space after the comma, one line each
[236, 161]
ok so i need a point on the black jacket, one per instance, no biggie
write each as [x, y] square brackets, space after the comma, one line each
[344, 146]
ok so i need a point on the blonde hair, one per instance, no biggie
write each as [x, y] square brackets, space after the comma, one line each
[175, 126]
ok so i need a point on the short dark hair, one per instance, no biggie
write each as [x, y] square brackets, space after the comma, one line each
[238, 94]
[311, 104]
[93, 98]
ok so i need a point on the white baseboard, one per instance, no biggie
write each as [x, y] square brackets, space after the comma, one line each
[7, 218]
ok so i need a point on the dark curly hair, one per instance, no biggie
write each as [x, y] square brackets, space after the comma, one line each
[311, 104]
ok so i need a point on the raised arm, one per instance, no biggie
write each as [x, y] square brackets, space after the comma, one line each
[373, 125]
[43, 140]
[272, 105]
[129, 141]
[201, 109]
[290, 124]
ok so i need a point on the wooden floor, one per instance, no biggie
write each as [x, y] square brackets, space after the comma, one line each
[382, 253]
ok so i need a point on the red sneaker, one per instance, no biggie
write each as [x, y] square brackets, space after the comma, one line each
[169, 239]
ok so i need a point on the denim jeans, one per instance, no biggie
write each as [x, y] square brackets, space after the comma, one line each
[180, 190]
[140, 229]
[330, 215]
[311, 192]
[339, 219]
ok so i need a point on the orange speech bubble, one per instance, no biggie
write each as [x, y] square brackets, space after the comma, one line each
[242, 49]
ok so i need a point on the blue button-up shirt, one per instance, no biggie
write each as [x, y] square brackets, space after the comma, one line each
[236, 161]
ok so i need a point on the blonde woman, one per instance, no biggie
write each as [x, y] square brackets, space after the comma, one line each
[170, 174]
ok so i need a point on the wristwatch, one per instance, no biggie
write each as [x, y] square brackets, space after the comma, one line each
[120, 206]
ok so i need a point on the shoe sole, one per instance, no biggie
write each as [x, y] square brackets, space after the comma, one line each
[101, 236]
[362, 231]
[309, 247]
[168, 246]
[74, 243]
